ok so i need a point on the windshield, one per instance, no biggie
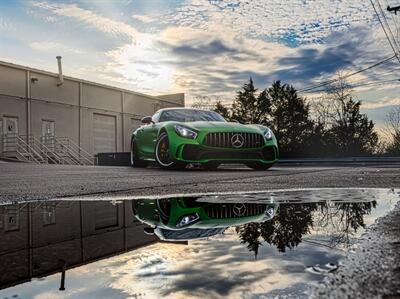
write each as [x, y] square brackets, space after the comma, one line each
[188, 115]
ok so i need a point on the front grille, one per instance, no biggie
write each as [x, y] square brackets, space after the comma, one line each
[195, 153]
[224, 140]
[234, 210]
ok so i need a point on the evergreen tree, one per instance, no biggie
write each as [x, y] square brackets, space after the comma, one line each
[250, 234]
[250, 107]
[222, 110]
[290, 120]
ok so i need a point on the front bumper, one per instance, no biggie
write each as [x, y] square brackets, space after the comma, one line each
[201, 154]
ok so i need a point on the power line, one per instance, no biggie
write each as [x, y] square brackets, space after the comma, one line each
[383, 27]
[388, 26]
[347, 76]
[394, 18]
[362, 84]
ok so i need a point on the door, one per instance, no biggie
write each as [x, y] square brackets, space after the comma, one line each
[10, 125]
[104, 133]
[48, 133]
[10, 131]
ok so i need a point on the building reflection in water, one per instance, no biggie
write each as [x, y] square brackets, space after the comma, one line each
[37, 238]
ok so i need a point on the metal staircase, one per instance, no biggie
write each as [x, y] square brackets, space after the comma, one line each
[47, 150]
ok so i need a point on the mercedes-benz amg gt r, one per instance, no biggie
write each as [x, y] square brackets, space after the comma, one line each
[175, 137]
[190, 218]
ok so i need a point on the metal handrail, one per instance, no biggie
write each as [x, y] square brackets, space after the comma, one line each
[43, 149]
[57, 150]
[20, 147]
[77, 152]
[77, 149]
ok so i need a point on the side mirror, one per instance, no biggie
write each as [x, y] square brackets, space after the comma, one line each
[147, 120]
[148, 230]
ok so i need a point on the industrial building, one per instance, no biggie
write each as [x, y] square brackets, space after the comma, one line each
[50, 118]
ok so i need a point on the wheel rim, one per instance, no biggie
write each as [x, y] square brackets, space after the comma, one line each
[162, 152]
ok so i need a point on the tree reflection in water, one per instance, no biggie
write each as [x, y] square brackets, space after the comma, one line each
[293, 220]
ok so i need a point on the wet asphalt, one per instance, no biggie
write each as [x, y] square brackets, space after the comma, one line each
[22, 181]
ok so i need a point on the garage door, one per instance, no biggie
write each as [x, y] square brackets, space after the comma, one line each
[104, 132]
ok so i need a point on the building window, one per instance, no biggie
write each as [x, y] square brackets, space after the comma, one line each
[49, 214]
[106, 215]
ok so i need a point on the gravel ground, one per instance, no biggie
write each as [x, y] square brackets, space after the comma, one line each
[373, 270]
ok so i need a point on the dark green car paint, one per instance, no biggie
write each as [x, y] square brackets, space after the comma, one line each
[150, 211]
[146, 136]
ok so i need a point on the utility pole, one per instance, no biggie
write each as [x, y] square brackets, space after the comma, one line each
[395, 9]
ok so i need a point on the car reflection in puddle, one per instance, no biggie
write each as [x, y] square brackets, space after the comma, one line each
[269, 245]
[186, 219]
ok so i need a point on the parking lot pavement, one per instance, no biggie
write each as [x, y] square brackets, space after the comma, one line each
[22, 181]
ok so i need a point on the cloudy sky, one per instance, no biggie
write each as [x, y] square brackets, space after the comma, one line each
[205, 48]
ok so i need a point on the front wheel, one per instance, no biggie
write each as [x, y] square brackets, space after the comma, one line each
[163, 156]
[259, 165]
[135, 160]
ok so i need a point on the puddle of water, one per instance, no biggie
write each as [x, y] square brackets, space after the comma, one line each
[268, 245]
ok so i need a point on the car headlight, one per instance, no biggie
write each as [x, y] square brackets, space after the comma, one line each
[185, 132]
[268, 134]
[187, 219]
[270, 212]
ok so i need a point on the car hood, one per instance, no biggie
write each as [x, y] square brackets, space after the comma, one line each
[218, 126]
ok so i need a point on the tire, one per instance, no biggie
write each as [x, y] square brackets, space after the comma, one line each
[211, 165]
[259, 165]
[162, 155]
[135, 160]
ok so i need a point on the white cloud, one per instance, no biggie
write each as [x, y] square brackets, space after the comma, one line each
[89, 18]
[53, 47]
[145, 18]
[304, 21]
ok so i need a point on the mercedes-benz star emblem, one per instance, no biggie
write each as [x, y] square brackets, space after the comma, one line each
[239, 209]
[237, 141]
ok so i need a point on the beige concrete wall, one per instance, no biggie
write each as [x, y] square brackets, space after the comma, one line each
[66, 119]
[12, 81]
[101, 98]
[46, 88]
[176, 98]
[138, 105]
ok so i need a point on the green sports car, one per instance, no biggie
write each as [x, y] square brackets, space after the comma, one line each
[190, 218]
[175, 137]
